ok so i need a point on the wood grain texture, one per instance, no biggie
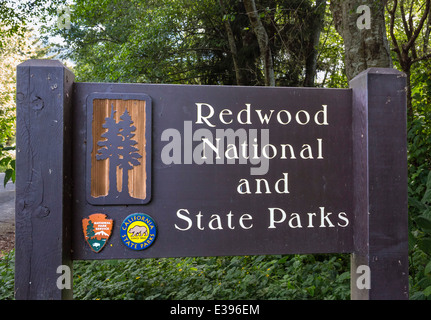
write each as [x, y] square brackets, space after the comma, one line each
[380, 176]
[137, 177]
[43, 178]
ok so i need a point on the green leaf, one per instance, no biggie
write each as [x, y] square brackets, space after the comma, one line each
[424, 222]
[417, 204]
[428, 268]
[344, 276]
[427, 196]
[425, 245]
[8, 176]
[412, 240]
[427, 291]
[5, 161]
[429, 181]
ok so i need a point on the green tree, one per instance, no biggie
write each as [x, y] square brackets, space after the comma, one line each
[364, 47]
[196, 42]
[90, 230]
[409, 26]
[14, 50]
[17, 43]
[409, 29]
[263, 41]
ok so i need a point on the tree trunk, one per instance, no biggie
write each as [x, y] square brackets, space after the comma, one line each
[405, 48]
[263, 41]
[232, 47]
[364, 47]
[125, 182]
[317, 26]
[112, 177]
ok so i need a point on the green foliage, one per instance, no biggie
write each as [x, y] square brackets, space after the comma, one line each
[331, 57]
[7, 164]
[7, 264]
[287, 277]
[141, 41]
[212, 278]
[419, 188]
[8, 58]
[185, 42]
[16, 45]
[169, 41]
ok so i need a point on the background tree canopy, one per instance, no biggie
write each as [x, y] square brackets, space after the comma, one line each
[201, 42]
[247, 42]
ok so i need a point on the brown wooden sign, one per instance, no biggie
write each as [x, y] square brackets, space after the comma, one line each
[212, 170]
[269, 169]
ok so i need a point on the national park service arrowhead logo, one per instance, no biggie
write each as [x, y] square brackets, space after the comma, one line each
[97, 230]
[138, 231]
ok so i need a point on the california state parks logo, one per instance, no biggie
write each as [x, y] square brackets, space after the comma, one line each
[138, 231]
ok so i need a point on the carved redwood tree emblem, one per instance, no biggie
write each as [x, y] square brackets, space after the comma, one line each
[119, 148]
[118, 165]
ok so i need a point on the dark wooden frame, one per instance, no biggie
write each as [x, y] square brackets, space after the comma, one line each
[43, 178]
[44, 194]
[380, 179]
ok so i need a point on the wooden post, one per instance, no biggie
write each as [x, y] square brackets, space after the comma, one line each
[43, 180]
[380, 182]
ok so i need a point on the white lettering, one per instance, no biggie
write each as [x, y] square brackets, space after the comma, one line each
[265, 118]
[214, 222]
[285, 183]
[215, 218]
[247, 112]
[185, 218]
[281, 186]
[325, 217]
[246, 217]
[277, 216]
[201, 118]
[289, 117]
[244, 116]
[307, 117]
[342, 216]
[324, 114]
[272, 220]
[223, 113]
[295, 217]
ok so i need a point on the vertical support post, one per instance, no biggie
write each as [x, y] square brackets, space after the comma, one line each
[43, 180]
[379, 265]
